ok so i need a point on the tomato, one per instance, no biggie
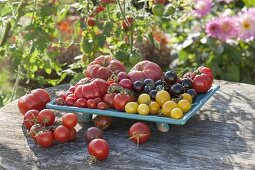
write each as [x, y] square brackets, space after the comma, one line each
[46, 117]
[91, 104]
[139, 133]
[154, 108]
[131, 107]
[102, 122]
[104, 67]
[92, 133]
[126, 83]
[71, 89]
[81, 102]
[45, 138]
[144, 99]
[176, 113]
[60, 101]
[70, 101]
[143, 109]
[99, 149]
[102, 106]
[206, 71]
[91, 22]
[67, 93]
[35, 129]
[122, 75]
[145, 70]
[202, 83]
[108, 99]
[70, 120]
[61, 134]
[90, 91]
[158, 9]
[168, 107]
[30, 118]
[126, 25]
[185, 105]
[72, 135]
[120, 100]
[37, 100]
[61, 95]
[162, 96]
[102, 85]
[99, 9]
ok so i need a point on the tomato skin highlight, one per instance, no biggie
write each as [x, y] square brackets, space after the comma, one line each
[99, 148]
[45, 139]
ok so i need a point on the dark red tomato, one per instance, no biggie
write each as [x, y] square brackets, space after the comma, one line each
[206, 71]
[45, 138]
[61, 134]
[70, 120]
[98, 100]
[122, 75]
[46, 117]
[108, 99]
[37, 100]
[99, 149]
[91, 104]
[104, 67]
[102, 106]
[102, 122]
[81, 102]
[120, 100]
[102, 86]
[30, 118]
[202, 83]
[72, 135]
[35, 129]
[60, 101]
[126, 25]
[92, 133]
[126, 83]
[90, 91]
[139, 133]
[70, 101]
[91, 22]
[72, 88]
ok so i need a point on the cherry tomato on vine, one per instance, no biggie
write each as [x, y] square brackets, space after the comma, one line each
[45, 138]
[61, 134]
[46, 117]
[30, 118]
[70, 120]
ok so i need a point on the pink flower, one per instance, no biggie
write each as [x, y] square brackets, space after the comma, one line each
[213, 29]
[203, 7]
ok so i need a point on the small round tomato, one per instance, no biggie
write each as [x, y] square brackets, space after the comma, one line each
[126, 83]
[120, 100]
[34, 130]
[98, 100]
[72, 135]
[108, 99]
[81, 102]
[46, 117]
[102, 106]
[144, 99]
[176, 113]
[185, 105]
[162, 96]
[70, 120]
[61, 134]
[102, 122]
[99, 149]
[122, 75]
[139, 133]
[202, 83]
[131, 107]
[72, 88]
[92, 133]
[30, 118]
[45, 138]
[154, 108]
[143, 109]
[168, 107]
[70, 101]
[60, 101]
[91, 104]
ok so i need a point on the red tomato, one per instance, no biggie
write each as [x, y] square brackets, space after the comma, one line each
[206, 71]
[78, 91]
[202, 83]
[61, 95]
[102, 86]
[90, 91]
[60, 101]
[37, 100]
[126, 83]
[72, 88]
[70, 120]
[104, 67]
[122, 75]
[145, 70]
[120, 100]
[30, 118]
[139, 133]
[91, 104]
[99, 149]
[102, 122]
[70, 101]
[61, 134]
[125, 25]
[108, 99]
[35, 129]
[72, 135]
[81, 102]
[46, 117]
[98, 100]
[92, 133]
[102, 106]
[91, 22]
[45, 138]
[68, 93]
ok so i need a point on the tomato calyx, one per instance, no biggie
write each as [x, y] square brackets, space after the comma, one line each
[121, 90]
[137, 136]
[92, 160]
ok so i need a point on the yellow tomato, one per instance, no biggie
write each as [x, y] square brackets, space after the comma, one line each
[168, 107]
[154, 108]
[187, 96]
[176, 113]
[131, 107]
[143, 109]
[162, 96]
[185, 105]
[144, 99]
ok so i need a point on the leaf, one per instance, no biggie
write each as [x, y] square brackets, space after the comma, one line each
[86, 46]
[101, 41]
[232, 73]
[249, 3]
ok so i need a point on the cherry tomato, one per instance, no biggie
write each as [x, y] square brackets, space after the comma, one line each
[70, 120]
[81, 102]
[102, 122]
[139, 133]
[30, 118]
[102, 106]
[131, 107]
[162, 96]
[60, 101]
[45, 138]
[99, 149]
[92, 133]
[72, 88]
[61, 95]
[98, 100]
[46, 117]
[61, 134]
[91, 104]
[70, 101]
[120, 100]
[34, 130]
[72, 135]
[202, 83]
[108, 99]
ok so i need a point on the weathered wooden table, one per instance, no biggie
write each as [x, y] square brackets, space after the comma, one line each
[220, 136]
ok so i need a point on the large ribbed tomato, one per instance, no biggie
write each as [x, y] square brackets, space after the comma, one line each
[104, 67]
[144, 70]
[37, 100]
[203, 79]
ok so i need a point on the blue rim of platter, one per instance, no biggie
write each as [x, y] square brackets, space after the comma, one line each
[196, 105]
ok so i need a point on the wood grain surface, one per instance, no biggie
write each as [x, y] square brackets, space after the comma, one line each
[220, 136]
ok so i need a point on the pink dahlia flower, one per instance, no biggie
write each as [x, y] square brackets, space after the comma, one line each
[203, 7]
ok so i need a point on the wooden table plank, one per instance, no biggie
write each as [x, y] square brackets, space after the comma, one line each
[220, 136]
